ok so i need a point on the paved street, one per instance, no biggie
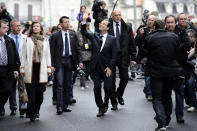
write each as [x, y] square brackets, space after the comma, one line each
[136, 115]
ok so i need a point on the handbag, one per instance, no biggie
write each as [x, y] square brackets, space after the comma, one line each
[24, 97]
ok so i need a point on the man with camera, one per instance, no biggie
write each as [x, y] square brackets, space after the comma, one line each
[99, 13]
[142, 32]
[4, 14]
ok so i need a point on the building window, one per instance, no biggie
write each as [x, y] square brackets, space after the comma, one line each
[16, 11]
[2, 3]
[72, 14]
[161, 7]
[30, 8]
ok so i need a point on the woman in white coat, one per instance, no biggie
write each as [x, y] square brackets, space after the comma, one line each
[35, 66]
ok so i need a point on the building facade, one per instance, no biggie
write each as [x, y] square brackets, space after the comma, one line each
[49, 11]
[24, 10]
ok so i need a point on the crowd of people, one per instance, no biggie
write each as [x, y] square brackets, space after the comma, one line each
[166, 49]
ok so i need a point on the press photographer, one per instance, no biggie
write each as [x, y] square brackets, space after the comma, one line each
[99, 13]
[4, 14]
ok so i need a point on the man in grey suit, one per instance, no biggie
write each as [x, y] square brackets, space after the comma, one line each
[18, 38]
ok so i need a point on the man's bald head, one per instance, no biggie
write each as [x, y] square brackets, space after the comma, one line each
[151, 20]
[116, 16]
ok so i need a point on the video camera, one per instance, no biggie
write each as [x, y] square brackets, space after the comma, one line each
[145, 16]
[80, 71]
[97, 4]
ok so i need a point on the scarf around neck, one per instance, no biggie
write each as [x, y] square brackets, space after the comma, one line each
[38, 47]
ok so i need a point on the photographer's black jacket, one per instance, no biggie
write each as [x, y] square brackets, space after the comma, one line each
[140, 40]
[161, 49]
[182, 55]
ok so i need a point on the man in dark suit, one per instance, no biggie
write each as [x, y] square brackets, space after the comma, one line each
[102, 62]
[65, 58]
[9, 65]
[126, 52]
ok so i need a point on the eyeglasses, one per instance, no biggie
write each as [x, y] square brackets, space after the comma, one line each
[183, 19]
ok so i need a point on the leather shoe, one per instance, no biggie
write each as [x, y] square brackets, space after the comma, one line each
[32, 119]
[100, 113]
[114, 107]
[2, 112]
[72, 100]
[67, 110]
[121, 101]
[180, 120]
[13, 113]
[59, 111]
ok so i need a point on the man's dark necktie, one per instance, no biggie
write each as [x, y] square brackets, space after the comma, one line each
[100, 41]
[66, 45]
[118, 36]
[17, 44]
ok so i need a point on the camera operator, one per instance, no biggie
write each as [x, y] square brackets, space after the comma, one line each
[4, 14]
[142, 32]
[99, 13]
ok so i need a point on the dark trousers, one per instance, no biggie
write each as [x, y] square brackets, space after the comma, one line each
[64, 79]
[87, 67]
[12, 98]
[35, 93]
[162, 101]
[54, 88]
[83, 77]
[98, 76]
[6, 86]
[179, 95]
[124, 77]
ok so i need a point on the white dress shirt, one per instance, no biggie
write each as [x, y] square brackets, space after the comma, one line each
[104, 40]
[114, 26]
[68, 36]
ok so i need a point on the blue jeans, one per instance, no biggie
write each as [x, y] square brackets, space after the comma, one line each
[64, 80]
[190, 94]
[50, 78]
[70, 89]
[147, 89]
